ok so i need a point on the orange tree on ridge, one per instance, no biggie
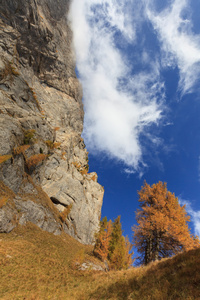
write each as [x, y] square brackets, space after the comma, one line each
[162, 229]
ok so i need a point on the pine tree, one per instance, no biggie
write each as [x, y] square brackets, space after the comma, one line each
[111, 246]
[116, 235]
[116, 247]
[101, 248]
[162, 229]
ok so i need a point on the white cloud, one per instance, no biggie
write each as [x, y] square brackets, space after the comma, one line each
[180, 46]
[195, 215]
[118, 107]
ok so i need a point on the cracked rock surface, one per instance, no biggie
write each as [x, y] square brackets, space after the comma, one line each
[44, 175]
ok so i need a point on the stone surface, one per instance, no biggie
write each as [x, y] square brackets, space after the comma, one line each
[41, 121]
[88, 266]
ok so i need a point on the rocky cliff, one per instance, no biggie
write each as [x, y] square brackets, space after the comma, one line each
[44, 175]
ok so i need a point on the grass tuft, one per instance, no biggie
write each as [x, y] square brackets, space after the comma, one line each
[3, 201]
[4, 158]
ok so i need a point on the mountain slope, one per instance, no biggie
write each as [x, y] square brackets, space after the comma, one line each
[39, 265]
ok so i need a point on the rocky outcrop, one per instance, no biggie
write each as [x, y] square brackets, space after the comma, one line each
[44, 175]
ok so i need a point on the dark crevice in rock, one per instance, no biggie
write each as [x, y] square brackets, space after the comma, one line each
[56, 201]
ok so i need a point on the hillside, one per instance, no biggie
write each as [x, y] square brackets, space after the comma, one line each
[39, 265]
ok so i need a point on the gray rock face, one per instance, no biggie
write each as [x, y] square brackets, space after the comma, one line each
[42, 154]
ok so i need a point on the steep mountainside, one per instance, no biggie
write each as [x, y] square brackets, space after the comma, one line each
[44, 175]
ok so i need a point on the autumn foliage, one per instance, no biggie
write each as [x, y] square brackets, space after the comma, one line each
[4, 158]
[111, 246]
[34, 160]
[103, 239]
[20, 149]
[162, 229]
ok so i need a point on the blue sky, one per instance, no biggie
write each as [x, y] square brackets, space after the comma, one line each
[139, 64]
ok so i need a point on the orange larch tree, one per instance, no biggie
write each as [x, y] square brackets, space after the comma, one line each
[101, 248]
[162, 229]
[111, 246]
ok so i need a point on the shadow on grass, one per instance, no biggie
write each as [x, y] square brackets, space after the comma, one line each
[175, 278]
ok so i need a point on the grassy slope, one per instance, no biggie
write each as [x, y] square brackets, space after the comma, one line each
[38, 265]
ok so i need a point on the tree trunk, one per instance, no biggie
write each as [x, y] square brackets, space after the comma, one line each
[157, 245]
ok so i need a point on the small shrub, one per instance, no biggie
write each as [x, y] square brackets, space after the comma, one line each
[9, 71]
[51, 145]
[20, 149]
[34, 160]
[34, 95]
[93, 178]
[56, 145]
[3, 201]
[4, 158]
[14, 70]
[84, 171]
[28, 135]
[63, 215]
[63, 154]
[76, 164]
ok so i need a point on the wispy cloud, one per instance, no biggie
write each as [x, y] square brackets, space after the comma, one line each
[119, 106]
[180, 46]
[195, 215]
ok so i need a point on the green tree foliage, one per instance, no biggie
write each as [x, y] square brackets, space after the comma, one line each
[162, 229]
[111, 246]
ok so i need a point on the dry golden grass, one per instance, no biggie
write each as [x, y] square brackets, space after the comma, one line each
[38, 265]
[52, 145]
[84, 172]
[76, 164]
[4, 158]
[3, 200]
[20, 149]
[9, 71]
[63, 215]
[94, 178]
[35, 159]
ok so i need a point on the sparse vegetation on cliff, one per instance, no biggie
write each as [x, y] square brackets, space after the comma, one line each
[20, 149]
[9, 71]
[35, 159]
[29, 136]
[4, 158]
[63, 215]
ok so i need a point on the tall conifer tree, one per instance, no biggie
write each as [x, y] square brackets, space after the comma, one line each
[111, 246]
[162, 228]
